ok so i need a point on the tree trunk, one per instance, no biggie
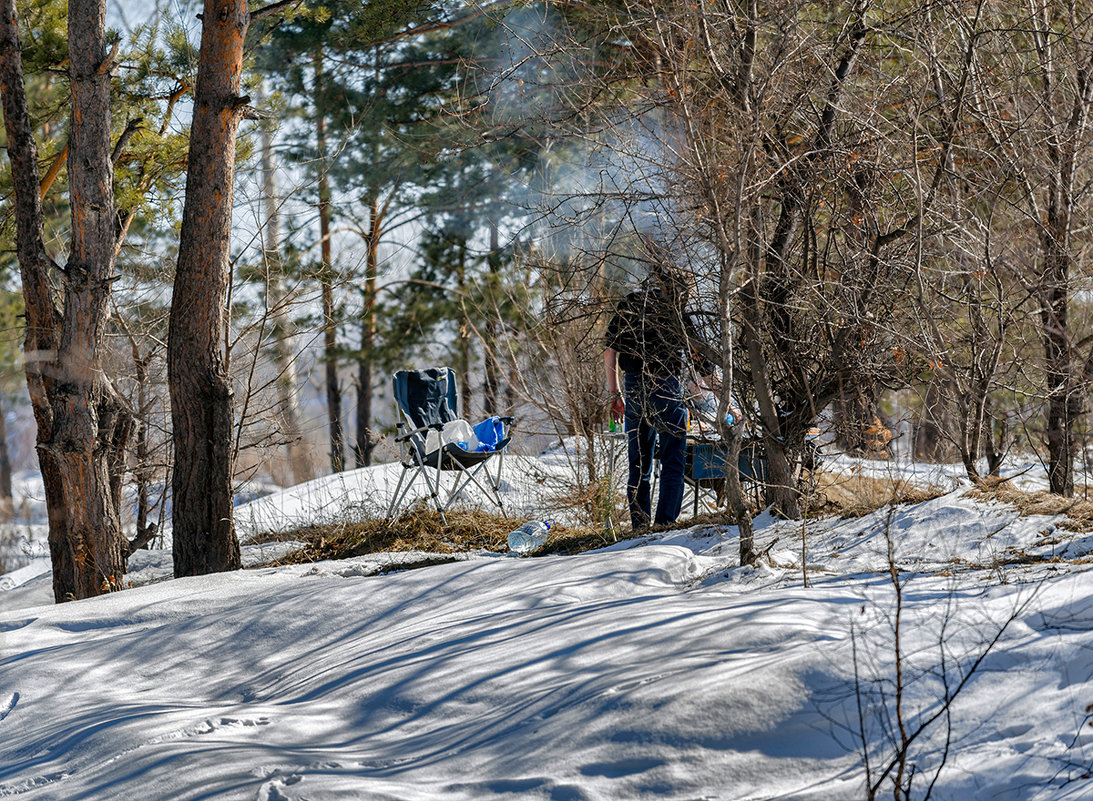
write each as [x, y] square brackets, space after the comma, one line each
[333, 389]
[734, 493]
[464, 338]
[855, 410]
[326, 278]
[201, 394]
[969, 446]
[489, 347]
[142, 468]
[780, 489]
[278, 303]
[934, 426]
[995, 449]
[42, 333]
[7, 505]
[1060, 390]
[84, 411]
[80, 421]
[366, 437]
[1062, 146]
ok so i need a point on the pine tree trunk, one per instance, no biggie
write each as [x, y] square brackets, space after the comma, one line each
[83, 429]
[326, 278]
[201, 394]
[283, 329]
[142, 468]
[80, 422]
[489, 347]
[43, 324]
[464, 340]
[333, 388]
[366, 437]
[7, 505]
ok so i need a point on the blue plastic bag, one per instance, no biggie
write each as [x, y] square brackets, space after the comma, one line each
[490, 432]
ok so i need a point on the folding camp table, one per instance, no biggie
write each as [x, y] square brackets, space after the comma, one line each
[707, 458]
[704, 468]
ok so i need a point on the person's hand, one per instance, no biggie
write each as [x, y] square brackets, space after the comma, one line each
[618, 408]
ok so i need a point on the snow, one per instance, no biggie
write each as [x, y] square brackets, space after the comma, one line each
[655, 668]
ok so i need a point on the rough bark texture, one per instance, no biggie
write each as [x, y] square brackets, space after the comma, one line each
[333, 388]
[85, 414]
[42, 334]
[81, 424]
[201, 395]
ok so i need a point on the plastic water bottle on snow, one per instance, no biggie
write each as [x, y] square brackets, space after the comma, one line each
[529, 536]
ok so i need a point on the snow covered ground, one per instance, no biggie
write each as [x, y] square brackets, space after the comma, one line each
[655, 668]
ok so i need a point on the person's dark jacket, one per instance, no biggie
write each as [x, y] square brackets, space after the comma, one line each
[653, 337]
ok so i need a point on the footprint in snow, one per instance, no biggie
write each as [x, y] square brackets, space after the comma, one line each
[273, 790]
[8, 706]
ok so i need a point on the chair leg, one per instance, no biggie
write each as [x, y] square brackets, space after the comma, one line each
[497, 482]
[394, 496]
[464, 475]
[469, 476]
[434, 491]
[400, 493]
[491, 488]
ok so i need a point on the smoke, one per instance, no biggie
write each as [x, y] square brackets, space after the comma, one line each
[601, 176]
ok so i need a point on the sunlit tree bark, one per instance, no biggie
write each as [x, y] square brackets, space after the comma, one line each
[82, 425]
[201, 394]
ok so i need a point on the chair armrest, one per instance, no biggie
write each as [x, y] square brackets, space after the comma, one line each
[416, 431]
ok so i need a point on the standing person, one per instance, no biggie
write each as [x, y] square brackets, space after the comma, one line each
[652, 340]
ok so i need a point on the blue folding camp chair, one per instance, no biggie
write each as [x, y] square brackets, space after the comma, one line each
[427, 407]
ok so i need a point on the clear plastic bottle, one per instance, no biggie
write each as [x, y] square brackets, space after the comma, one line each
[529, 536]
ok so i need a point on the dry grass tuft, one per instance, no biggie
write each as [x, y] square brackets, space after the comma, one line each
[590, 503]
[422, 529]
[855, 495]
[1078, 511]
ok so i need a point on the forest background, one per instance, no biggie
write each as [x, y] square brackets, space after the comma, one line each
[225, 226]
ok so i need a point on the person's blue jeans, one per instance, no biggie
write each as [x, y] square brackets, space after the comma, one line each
[655, 411]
